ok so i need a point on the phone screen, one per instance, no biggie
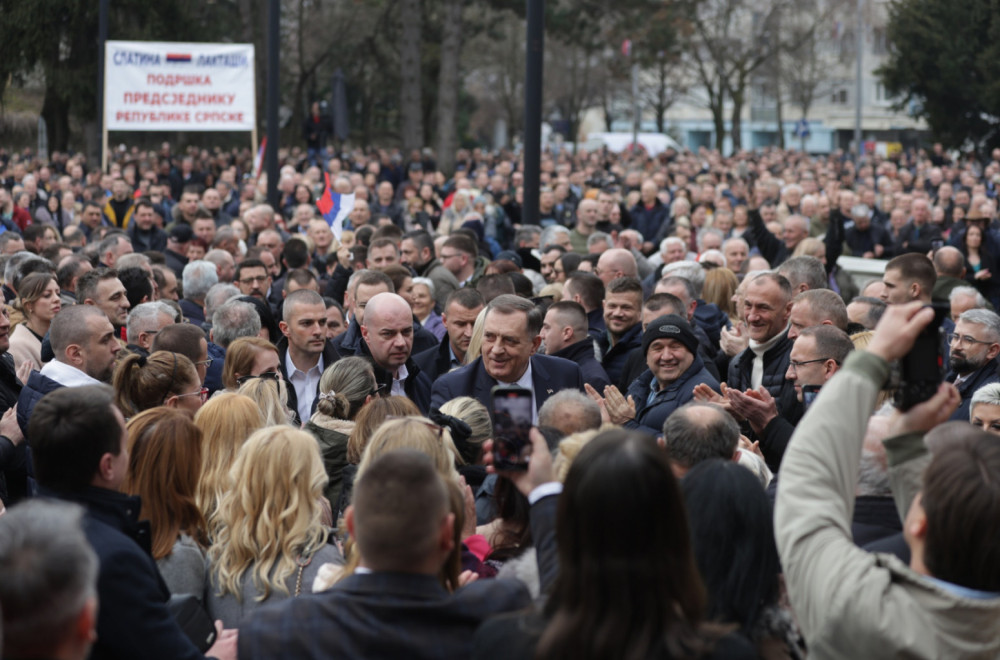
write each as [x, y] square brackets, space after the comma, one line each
[511, 425]
[809, 394]
[922, 369]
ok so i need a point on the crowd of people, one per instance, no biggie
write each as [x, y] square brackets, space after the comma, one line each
[230, 432]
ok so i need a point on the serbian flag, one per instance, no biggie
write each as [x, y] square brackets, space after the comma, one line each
[335, 207]
[258, 161]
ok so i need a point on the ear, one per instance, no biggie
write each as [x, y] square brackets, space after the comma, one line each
[106, 467]
[916, 520]
[535, 343]
[211, 335]
[364, 332]
[349, 520]
[283, 327]
[992, 351]
[446, 534]
[85, 627]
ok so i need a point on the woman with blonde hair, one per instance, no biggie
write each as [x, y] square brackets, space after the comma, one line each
[367, 421]
[248, 357]
[420, 434]
[38, 301]
[476, 343]
[345, 388]
[162, 379]
[226, 421]
[270, 541]
[720, 287]
[271, 396]
[164, 456]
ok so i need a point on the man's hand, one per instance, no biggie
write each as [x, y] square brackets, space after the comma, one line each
[898, 330]
[751, 447]
[539, 465]
[225, 643]
[705, 394]
[733, 342]
[23, 372]
[599, 400]
[620, 409]
[756, 406]
[922, 417]
[9, 428]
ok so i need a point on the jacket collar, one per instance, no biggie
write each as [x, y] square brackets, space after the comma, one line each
[381, 584]
[578, 351]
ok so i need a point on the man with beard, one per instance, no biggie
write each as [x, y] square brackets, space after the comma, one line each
[975, 344]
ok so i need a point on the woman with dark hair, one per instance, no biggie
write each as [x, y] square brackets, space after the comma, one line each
[980, 262]
[732, 532]
[625, 584]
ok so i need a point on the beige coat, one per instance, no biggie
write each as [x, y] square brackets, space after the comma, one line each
[852, 604]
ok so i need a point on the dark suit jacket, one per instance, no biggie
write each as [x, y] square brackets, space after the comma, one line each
[435, 361]
[193, 312]
[133, 620]
[548, 375]
[378, 615]
[582, 353]
[985, 375]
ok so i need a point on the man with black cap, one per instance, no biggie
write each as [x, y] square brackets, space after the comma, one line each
[674, 369]
[177, 243]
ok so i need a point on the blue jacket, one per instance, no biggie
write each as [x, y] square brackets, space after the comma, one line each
[616, 356]
[582, 352]
[650, 222]
[649, 416]
[133, 620]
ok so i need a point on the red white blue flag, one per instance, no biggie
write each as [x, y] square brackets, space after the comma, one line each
[335, 207]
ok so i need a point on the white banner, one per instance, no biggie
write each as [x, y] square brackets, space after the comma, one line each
[161, 86]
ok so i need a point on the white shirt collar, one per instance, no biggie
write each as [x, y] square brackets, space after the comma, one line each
[399, 381]
[67, 375]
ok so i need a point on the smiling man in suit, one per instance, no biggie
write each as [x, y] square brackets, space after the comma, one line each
[510, 341]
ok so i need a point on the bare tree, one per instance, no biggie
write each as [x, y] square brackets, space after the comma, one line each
[411, 106]
[730, 41]
[668, 85]
[447, 100]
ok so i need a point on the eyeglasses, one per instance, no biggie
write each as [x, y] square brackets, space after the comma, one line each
[267, 375]
[954, 338]
[794, 365]
[207, 363]
[382, 389]
[449, 256]
[254, 280]
[203, 393]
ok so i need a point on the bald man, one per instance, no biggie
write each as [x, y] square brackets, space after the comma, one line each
[387, 331]
[615, 263]
[949, 264]
[587, 215]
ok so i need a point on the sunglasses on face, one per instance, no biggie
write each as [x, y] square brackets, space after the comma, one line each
[267, 375]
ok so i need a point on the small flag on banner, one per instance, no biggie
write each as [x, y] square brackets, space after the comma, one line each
[258, 161]
[335, 207]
